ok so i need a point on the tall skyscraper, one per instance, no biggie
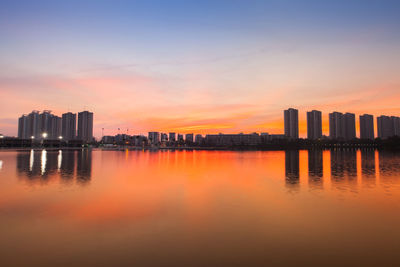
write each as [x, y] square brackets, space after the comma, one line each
[34, 125]
[85, 126]
[22, 127]
[350, 126]
[172, 137]
[154, 137]
[189, 138]
[291, 121]
[385, 127]
[314, 124]
[367, 127]
[68, 126]
[396, 125]
[388, 126]
[39, 125]
[336, 125]
[55, 130]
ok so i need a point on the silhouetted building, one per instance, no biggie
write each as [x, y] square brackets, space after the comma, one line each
[349, 126]
[189, 138]
[180, 138]
[68, 129]
[367, 127]
[85, 126]
[154, 138]
[39, 126]
[172, 137]
[164, 137]
[336, 125]
[23, 131]
[385, 127]
[232, 139]
[314, 124]
[396, 125]
[291, 122]
[198, 138]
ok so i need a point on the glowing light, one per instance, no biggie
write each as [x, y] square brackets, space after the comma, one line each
[32, 137]
[31, 159]
[1, 164]
[60, 137]
[43, 161]
[59, 159]
[44, 135]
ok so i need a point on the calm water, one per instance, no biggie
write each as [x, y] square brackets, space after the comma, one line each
[199, 208]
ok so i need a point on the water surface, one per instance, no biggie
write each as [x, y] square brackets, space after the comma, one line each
[199, 208]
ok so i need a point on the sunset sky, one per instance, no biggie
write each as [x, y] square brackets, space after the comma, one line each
[198, 66]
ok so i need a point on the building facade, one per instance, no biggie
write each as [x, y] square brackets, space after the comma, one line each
[172, 137]
[367, 127]
[314, 125]
[68, 128]
[291, 123]
[154, 138]
[85, 126]
[336, 125]
[349, 126]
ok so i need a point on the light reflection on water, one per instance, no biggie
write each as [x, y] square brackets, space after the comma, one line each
[199, 208]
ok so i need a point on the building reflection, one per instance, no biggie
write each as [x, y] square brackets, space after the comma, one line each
[292, 170]
[368, 167]
[315, 168]
[344, 168]
[84, 166]
[389, 168]
[42, 165]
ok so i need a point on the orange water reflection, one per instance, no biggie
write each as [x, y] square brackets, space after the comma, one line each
[199, 208]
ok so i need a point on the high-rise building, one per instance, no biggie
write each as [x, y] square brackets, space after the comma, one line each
[85, 126]
[198, 138]
[349, 126]
[154, 137]
[336, 125]
[34, 125]
[189, 138]
[367, 127]
[396, 125]
[164, 137]
[291, 121]
[39, 125]
[172, 137]
[68, 126]
[314, 124]
[45, 121]
[385, 127]
[23, 127]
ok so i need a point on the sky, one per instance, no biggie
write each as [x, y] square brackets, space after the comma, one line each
[198, 66]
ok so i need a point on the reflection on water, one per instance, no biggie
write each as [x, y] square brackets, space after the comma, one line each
[39, 165]
[292, 169]
[199, 208]
[315, 169]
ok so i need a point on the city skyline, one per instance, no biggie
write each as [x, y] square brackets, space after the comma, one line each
[342, 126]
[220, 68]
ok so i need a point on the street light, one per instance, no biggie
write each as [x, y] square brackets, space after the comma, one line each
[44, 135]
[32, 137]
[60, 137]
